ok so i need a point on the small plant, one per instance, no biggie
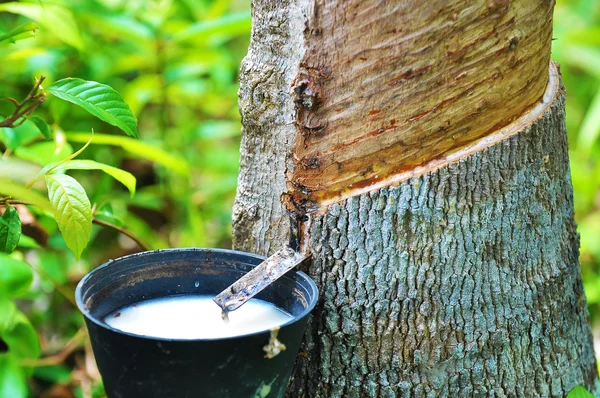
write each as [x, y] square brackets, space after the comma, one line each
[66, 202]
[175, 64]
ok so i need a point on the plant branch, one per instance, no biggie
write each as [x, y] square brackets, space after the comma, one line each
[14, 101]
[24, 108]
[138, 241]
[19, 123]
[34, 90]
[60, 357]
[125, 232]
[9, 201]
[67, 292]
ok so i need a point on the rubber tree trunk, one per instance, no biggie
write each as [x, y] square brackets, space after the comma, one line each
[418, 150]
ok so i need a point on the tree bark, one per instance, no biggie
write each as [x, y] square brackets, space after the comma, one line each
[447, 259]
[461, 282]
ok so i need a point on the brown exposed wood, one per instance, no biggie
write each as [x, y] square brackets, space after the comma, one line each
[461, 282]
[389, 90]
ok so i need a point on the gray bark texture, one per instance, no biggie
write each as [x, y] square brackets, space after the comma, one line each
[461, 282]
[260, 221]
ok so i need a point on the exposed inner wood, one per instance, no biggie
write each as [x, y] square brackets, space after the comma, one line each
[389, 91]
[461, 282]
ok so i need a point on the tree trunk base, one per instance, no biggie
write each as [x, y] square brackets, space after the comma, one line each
[463, 281]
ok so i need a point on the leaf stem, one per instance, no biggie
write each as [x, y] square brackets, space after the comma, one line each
[49, 167]
[125, 232]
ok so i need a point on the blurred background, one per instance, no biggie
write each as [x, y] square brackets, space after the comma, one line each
[576, 47]
[176, 64]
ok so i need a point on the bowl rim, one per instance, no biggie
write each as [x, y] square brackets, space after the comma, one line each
[312, 289]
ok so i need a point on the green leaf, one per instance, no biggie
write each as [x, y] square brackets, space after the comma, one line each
[18, 170]
[120, 26]
[8, 309]
[10, 230]
[18, 334]
[137, 148]
[60, 374]
[589, 227]
[21, 338]
[44, 153]
[27, 242]
[228, 26]
[106, 213]
[579, 392]
[42, 126]
[98, 99]
[22, 192]
[18, 136]
[141, 90]
[52, 266]
[50, 167]
[584, 57]
[57, 19]
[122, 176]
[15, 276]
[72, 211]
[21, 32]
[13, 382]
[590, 126]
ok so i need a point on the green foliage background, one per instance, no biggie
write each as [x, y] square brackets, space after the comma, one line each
[175, 62]
[577, 48]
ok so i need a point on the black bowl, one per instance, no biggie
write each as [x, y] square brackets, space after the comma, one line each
[140, 366]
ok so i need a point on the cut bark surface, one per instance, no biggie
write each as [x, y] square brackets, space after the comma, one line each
[340, 98]
[461, 282]
[386, 87]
